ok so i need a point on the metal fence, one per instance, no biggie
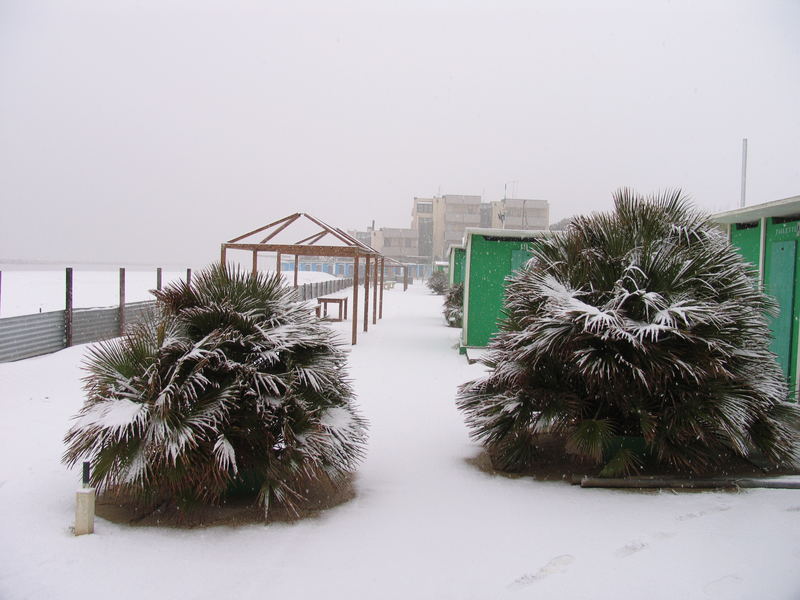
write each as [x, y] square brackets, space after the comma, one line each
[42, 333]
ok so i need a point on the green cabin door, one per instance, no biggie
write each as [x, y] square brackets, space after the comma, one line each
[780, 285]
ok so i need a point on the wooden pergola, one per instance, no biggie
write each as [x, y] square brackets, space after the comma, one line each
[345, 246]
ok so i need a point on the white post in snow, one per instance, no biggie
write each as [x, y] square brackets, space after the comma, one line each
[84, 505]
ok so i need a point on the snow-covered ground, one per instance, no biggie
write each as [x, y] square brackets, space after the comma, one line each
[425, 523]
[25, 292]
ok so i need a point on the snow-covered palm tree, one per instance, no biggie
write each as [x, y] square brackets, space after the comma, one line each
[231, 384]
[640, 323]
[438, 283]
[453, 309]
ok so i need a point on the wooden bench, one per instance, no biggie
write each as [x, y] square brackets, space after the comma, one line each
[341, 301]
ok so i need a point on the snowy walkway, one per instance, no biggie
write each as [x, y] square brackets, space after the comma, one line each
[425, 523]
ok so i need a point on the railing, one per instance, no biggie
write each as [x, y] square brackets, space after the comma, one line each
[42, 333]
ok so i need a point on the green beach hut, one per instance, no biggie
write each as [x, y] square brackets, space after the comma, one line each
[491, 255]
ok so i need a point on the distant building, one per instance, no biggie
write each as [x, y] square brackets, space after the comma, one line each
[452, 214]
[397, 243]
[422, 223]
[521, 214]
[365, 237]
[440, 221]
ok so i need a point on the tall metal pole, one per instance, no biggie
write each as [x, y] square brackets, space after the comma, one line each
[68, 308]
[744, 170]
[122, 301]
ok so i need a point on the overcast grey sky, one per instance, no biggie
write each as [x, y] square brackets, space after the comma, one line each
[154, 130]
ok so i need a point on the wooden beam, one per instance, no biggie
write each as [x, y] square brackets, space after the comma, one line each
[255, 262]
[357, 242]
[355, 300]
[222, 254]
[344, 251]
[375, 292]
[318, 236]
[366, 293]
[405, 278]
[291, 220]
[296, 268]
[342, 237]
[380, 310]
[260, 229]
[278, 261]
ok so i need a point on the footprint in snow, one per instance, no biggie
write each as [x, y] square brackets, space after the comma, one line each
[556, 565]
[701, 513]
[631, 548]
[722, 587]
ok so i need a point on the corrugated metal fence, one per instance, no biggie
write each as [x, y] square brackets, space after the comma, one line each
[42, 333]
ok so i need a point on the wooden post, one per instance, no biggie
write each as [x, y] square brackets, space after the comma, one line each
[279, 263]
[366, 293]
[355, 300]
[122, 300]
[158, 278]
[255, 262]
[296, 267]
[405, 277]
[222, 254]
[188, 278]
[68, 309]
[383, 270]
[375, 287]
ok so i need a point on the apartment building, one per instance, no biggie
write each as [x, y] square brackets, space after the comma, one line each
[518, 213]
[422, 223]
[452, 214]
[398, 243]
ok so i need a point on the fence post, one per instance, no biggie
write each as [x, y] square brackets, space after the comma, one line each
[158, 278]
[68, 309]
[188, 278]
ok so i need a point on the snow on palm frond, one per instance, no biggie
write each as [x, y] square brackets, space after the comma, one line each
[640, 323]
[218, 391]
[438, 282]
[454, 305]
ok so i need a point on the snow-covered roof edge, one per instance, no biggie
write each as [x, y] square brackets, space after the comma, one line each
[776, 208]
[452, 247]
[509, 233]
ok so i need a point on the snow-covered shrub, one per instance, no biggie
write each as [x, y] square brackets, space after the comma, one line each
[438, 282]
[454, 305]
[643, 323]
[232, 385]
